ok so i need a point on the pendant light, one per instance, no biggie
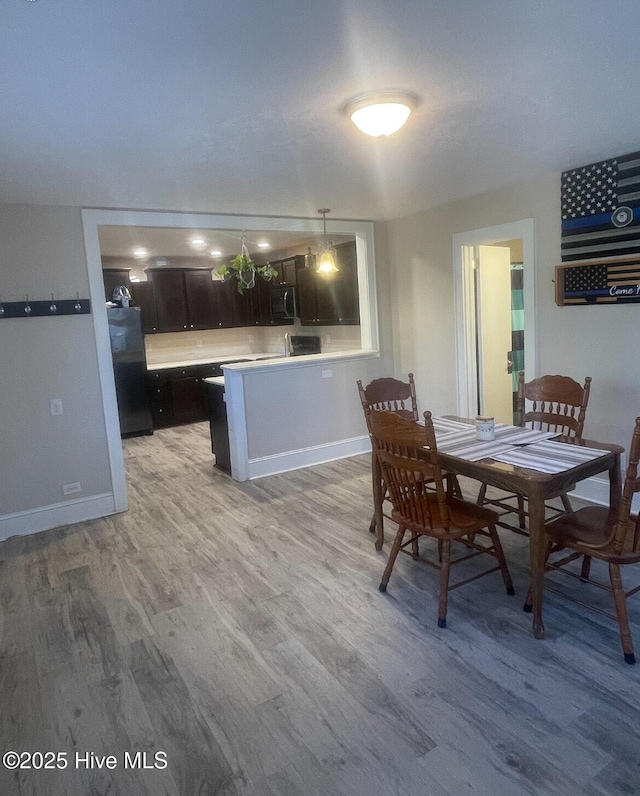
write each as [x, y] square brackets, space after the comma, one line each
[326, 261]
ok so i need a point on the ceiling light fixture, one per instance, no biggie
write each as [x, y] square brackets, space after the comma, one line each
[263, 245]
[381, 114]
[215, 253]
[326, 259]
[198, 242]
[140, 253]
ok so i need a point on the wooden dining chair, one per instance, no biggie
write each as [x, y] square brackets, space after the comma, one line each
[612, 537]
[549, 403]
[388, 395]
[408, 458]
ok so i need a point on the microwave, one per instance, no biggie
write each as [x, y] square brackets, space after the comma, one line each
[282, 304]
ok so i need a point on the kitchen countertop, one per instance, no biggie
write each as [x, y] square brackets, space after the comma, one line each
[183, 363]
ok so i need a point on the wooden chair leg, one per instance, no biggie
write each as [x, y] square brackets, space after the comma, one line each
[504, 569]
[521, 513]
[481, 494]
[395, 549]
[621, 610]
[444, 581]
[414, 546]
[528, 602]
[586, 568]
[566, 503]
[453, 485]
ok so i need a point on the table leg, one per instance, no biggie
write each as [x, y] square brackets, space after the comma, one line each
[615, 484]
[378, 497]
[537, 555]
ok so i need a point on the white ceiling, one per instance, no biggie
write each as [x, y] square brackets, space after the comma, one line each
[236, 107]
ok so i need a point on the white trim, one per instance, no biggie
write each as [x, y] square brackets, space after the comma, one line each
[596, 490]
[92, 218]
[464, 303]
[307, 457]
[45, 517]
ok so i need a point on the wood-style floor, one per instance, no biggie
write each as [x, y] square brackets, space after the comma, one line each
[238, 629]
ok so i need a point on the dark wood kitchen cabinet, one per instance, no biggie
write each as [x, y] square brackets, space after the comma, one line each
[177, 394]
[287, 271]
[333, 299]
[184, 299]
[142, 295]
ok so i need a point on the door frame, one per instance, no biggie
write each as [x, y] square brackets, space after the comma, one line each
[465, 310]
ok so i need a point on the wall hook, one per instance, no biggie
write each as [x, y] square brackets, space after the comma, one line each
[52, 306]
[27, 306]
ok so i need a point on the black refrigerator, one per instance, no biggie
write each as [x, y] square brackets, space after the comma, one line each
[130, 371]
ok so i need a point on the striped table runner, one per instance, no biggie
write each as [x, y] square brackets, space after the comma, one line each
[549, 457]
[512, 445]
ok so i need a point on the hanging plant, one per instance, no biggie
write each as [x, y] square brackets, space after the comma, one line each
[245, 270]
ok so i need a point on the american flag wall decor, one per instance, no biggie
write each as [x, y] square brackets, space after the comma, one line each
[611, 280]
[601, 209]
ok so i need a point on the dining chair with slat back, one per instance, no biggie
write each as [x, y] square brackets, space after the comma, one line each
[608, 536]
[408, 458]
[390, 395]
[548, 403]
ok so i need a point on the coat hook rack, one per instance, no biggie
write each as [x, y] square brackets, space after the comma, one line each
[42, 309]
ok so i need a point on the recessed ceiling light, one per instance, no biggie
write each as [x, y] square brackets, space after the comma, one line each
[263, 245]
[380, 114]
[216, 253]
[198, 242]
[140, 253]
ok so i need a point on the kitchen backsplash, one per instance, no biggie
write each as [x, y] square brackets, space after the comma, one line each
[183, 346]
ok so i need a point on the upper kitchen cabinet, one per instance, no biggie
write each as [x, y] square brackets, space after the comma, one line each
[287, 271]
[330, 300]
[183, 298]
[142, 295]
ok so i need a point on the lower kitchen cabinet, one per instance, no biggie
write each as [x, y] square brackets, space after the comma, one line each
[177, 394]
[218, 426]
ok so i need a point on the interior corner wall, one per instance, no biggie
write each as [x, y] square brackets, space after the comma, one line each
[42, 253]
[579, 341]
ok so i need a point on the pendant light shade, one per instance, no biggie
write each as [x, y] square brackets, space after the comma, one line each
[380, 114]
[326, 259]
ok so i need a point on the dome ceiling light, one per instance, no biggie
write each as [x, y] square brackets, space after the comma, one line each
[381, 114]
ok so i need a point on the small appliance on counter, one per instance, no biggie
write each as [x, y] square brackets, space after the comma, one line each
[121, 296]
[303, 344]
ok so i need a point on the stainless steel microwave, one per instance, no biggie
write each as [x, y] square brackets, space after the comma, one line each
[282, 303]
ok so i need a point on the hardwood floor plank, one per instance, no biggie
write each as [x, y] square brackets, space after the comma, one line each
[239, 628]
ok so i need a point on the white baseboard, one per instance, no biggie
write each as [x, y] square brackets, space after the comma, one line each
[596, 490]
[46, 517]
[307, 457]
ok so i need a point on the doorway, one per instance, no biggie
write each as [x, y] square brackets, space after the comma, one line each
[495, 317]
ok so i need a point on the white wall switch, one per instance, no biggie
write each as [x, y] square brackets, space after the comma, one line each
[327, 338]
[327, 374]
[56, 406]
[69, 489]
[251, 338]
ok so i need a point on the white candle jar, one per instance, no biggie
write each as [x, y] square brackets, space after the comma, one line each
[485, 428]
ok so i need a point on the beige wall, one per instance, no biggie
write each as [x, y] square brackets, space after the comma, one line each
[597, 341]
[42, 252]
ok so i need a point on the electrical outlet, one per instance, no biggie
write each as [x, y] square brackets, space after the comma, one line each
[252, 338]
[327, 374]
[69, 489]
[327, 338]
[199, 343]
[56, 406]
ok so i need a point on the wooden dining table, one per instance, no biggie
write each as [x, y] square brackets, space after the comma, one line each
[537, 487]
